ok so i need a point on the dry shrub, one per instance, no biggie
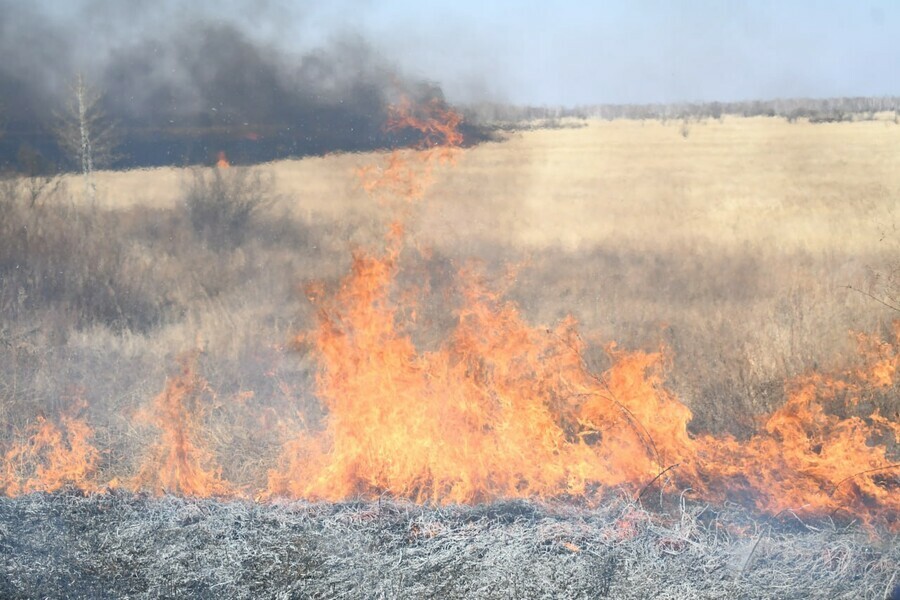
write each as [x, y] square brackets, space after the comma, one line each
[73, 262]
[222, 202]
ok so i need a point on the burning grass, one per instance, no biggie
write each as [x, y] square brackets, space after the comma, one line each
[503, 409]
[120, 544]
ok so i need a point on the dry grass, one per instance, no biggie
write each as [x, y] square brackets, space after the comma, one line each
[730, 246]
[816, 187]
[641, 185]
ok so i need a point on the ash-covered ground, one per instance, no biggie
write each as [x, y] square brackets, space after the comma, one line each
[121, 545]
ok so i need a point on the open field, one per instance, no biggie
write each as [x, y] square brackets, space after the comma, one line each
[730, 248]
[826, 187]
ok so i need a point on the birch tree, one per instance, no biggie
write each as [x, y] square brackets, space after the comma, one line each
[86, 136]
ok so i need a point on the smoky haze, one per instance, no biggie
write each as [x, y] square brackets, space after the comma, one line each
[182, 87]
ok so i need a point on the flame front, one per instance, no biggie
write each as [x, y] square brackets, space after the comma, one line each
[503, 409]
[52, 456]
[500, 408]
[178, 462]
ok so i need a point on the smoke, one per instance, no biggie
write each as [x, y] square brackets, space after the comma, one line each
[35, 59]
[184, 85]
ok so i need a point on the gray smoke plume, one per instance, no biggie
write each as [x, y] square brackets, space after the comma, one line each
[183, 86]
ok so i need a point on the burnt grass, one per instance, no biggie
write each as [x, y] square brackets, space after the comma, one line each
[121, 545]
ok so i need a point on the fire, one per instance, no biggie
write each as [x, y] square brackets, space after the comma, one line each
[222, 160]
[52, 456]
[508, 410]
[505, 409]
[178, 462]
[501, 408]
[808, 460]
[405, 177]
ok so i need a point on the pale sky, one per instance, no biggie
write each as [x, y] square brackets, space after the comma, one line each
[637, 51]
[573, 52]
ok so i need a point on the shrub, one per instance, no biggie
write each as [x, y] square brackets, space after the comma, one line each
[68, 262]
[221, 204]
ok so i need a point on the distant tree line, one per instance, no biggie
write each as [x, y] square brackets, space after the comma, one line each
[81, 136]
[815, 110]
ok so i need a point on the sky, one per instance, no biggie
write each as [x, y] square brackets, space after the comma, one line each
[639, 51]
[572, 52]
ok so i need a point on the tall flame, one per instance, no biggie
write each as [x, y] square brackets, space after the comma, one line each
[504, 409]
[52, 456]
[178, 462]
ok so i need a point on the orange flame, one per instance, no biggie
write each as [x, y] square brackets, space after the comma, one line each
[53, 456]
[408, 177]
[808, 460]
[178, 463]
[438, 125]
[503, 409]
[222, 160]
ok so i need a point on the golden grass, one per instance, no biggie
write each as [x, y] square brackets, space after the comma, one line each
[731, 246]
[818, 187]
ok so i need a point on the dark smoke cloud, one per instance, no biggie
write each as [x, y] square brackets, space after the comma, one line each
[35, 59]
[184, 85]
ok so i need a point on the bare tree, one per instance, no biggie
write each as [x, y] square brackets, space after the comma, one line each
[85, 134]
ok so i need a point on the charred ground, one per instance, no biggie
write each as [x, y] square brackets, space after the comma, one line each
[123, 545]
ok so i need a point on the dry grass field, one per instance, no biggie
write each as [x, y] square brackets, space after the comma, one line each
[731, 245]
[826, 187]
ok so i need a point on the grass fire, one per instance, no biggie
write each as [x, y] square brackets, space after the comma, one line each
[404, 404]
